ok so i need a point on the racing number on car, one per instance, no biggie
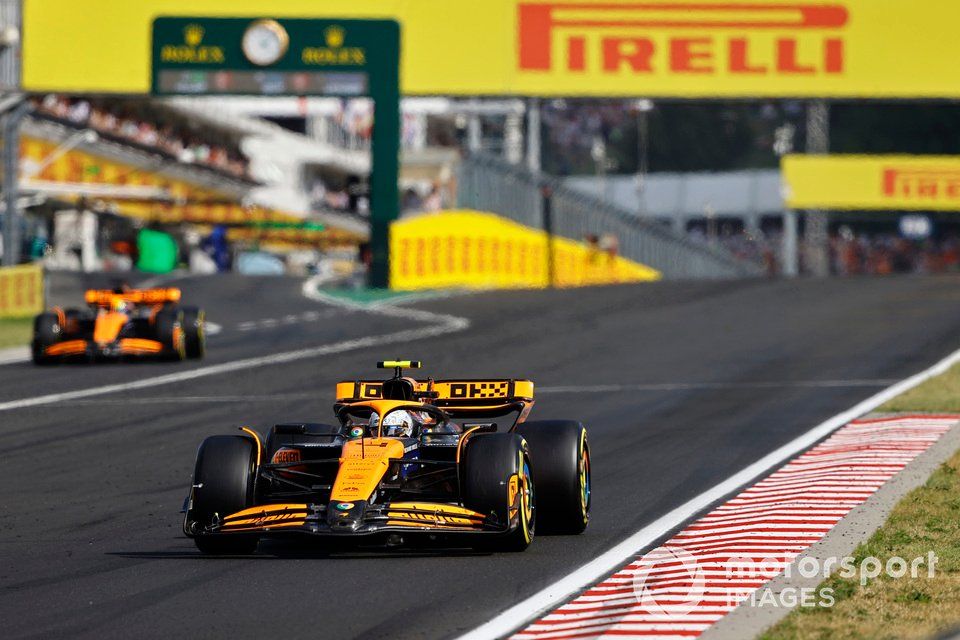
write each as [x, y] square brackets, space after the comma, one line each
[479, 390]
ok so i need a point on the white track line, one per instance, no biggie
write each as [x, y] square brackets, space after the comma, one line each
[14, 354]
[539, 390]
[558, 592]
[441, 324]
[685, 386]
[307, 316]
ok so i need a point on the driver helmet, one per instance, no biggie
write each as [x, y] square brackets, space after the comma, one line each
[400, 423]
[119, 305]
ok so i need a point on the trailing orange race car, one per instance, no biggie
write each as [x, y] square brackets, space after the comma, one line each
[408, 458]
[120, 323]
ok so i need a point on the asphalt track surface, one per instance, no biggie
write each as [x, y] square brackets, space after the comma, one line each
[681, 385]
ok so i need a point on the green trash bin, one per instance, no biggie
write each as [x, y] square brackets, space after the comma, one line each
[158, 251]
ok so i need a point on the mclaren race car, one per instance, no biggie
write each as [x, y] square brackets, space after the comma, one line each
[120, 323]
[406, 459]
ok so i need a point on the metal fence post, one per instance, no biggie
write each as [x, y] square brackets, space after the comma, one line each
[817, 229]
[791, 266]
[11, 170]
[547, 207]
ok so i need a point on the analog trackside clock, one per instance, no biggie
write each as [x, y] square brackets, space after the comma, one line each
[265, 42]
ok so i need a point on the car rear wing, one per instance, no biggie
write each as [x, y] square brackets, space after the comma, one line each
[473, 397]
[104, 297]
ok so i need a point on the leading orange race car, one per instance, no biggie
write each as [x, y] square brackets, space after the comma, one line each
[409, 459]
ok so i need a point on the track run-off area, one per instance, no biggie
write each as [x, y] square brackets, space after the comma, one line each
[689, 392]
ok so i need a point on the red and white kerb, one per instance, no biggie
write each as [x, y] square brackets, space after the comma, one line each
[718, 561]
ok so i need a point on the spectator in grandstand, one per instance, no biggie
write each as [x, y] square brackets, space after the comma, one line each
[79, 111]
[411, 200]
[215, 245]
[609, 244]
[434, 199]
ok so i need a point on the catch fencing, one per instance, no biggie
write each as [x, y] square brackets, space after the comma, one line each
[491, 184]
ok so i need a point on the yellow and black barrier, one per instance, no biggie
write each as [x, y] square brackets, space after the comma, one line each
[478, 250]
[21, 291]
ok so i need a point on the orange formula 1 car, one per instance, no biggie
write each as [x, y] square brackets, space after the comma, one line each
[407, 458]
[120, 323]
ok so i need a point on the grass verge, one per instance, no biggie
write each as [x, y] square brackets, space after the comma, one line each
[15, 332]
[938, 394]
[926, 519]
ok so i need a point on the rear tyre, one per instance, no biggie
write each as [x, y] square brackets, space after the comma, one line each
[493, 467]
[561, 472]
[223, 483]
[46, 332]
[194, 339]
[169, 326]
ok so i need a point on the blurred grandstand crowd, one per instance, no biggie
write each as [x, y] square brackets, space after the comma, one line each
[579, 137]
[851, 254]
[145, 124]
[886, 253]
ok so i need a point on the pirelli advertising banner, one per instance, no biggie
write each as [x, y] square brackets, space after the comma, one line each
[914, 183]
[651, 48]
[21, 291]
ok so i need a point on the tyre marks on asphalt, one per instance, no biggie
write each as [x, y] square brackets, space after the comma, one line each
[703, 572]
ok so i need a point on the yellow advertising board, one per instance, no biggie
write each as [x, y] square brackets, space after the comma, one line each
[484, 251]
[21, 291]
[911, 183]
[650, 48]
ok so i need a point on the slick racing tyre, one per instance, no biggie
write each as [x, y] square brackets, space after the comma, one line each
[194, 339]
[46, 332]
[169, 328]
[223, 483]
[560, 459]
[491, 463]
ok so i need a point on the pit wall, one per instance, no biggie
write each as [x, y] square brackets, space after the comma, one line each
[478, 250]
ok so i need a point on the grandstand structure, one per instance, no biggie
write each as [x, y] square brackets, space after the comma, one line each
[97, 169]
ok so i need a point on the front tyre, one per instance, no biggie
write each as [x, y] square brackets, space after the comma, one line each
[194, 338]
[169, 328]
[496, 478]
[46, 332]
[561, 471]
[223, 483]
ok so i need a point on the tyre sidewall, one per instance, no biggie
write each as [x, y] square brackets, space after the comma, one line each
[195, 341]
[558, 453]
[488, 463]
[46, 332]
[223, 478]
[169, 328]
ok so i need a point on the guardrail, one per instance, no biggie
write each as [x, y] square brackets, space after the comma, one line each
[491, 184]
